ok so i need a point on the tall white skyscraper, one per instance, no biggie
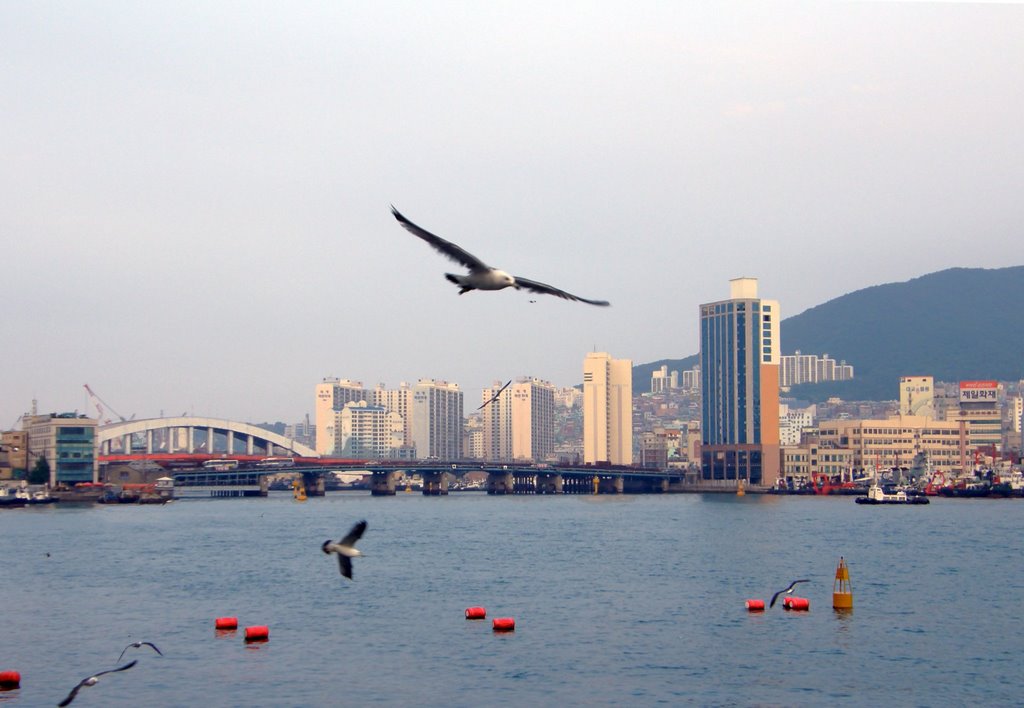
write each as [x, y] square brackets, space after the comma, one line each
[331, 396]
[533, 419]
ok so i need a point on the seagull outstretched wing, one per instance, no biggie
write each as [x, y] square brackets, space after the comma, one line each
[545, 289]
[137, 645]
[456, 253]
[494, 398]
[91, 681]
[354, 535]
[785, 591]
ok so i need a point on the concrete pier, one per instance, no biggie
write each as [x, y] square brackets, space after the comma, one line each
[549, 484]
[435, 484]
[382, 484]
[500, 483]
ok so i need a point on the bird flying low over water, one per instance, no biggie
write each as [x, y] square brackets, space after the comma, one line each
[494, 398]
[482, 276]
[91, 681]
[346, 548]
[136, 645]
[787, 591]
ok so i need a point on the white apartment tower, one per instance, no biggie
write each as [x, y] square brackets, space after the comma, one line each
[437, 420]
[497, 423]
[607, 409]
[331, 396]
[367, 432]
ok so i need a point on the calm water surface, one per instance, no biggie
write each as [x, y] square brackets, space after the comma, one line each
[633, 600]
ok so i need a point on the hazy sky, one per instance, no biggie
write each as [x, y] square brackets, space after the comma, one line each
[195, 195]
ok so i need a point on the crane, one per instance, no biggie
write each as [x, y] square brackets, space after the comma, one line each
[99, 403]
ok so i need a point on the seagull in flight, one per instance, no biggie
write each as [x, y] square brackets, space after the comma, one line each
[494, 398]
[346, 548]
[136, 645]
[787, 591]
[91, 681]
[482, 276]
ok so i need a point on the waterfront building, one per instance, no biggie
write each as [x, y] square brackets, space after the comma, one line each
[331, 396]
[68, 443]
[880, 444]
[979, 411]
[533, 419]
[13, 454]
[607, 409]
[793, 421]
[368, 432]
[917, 396]
[802, 461]
[399, 401]
[437, 420]
[739, 360]
[496, 418]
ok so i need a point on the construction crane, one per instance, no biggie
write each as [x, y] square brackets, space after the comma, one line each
[100, 404]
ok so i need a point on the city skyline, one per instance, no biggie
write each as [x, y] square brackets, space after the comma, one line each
[198, 203]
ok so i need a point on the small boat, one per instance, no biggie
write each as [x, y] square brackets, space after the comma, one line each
[877, 495]
[7, 499]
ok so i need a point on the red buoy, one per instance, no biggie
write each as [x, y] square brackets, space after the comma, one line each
[9, 680]
[257, 633]
[476, 613]
[755, 605]
[225, 623]
[796, 603]
[504, 624]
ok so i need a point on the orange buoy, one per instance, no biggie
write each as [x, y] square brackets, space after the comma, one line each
[257, 633]
[504, 624]
[476, 613]
[842, 592]
[755, 605]
[9, 680]
[796, 603]
[225, 623]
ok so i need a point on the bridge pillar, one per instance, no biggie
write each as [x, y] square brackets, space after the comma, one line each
[500, 483]
[314, 485]
[611, 485]
[435, 484]
[264, 485]
[382, 484]
[209, 441]
[249, 448]
[549, 484]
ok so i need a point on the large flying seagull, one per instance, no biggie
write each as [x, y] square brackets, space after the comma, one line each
[482, 276]
[346, 548]
[91, 681]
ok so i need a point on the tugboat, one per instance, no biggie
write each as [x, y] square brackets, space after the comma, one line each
[877, 495]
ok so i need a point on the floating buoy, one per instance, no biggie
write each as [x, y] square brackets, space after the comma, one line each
[476, 613]
[842, 591]
[257, 633]
[796, 603]
[504, 624]
[9, 680]
[755, 605]
[225, 623]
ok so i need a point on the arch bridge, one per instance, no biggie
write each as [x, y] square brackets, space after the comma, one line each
[190, 434]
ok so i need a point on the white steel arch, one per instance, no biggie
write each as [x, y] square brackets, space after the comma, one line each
[244, 433]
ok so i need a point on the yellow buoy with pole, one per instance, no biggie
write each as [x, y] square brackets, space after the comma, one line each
[842, 591]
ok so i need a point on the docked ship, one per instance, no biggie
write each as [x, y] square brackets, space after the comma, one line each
[877, 495]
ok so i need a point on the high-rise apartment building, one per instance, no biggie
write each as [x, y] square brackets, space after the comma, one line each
[368, 432]
[739, 361]
[533, 419]
[398, 401]
[607, 409]
[331, 396]
[496, 419]
[437, 420]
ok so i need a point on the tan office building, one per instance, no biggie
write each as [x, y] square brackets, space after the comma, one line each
[607, 409]
[896, 441]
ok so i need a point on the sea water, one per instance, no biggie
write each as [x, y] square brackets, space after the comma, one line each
[618, 600]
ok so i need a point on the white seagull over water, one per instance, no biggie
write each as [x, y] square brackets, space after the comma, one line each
[494, 398]
[91, 681]
[346, 548]
[482, 276]
[136, 645]
[788, 591]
